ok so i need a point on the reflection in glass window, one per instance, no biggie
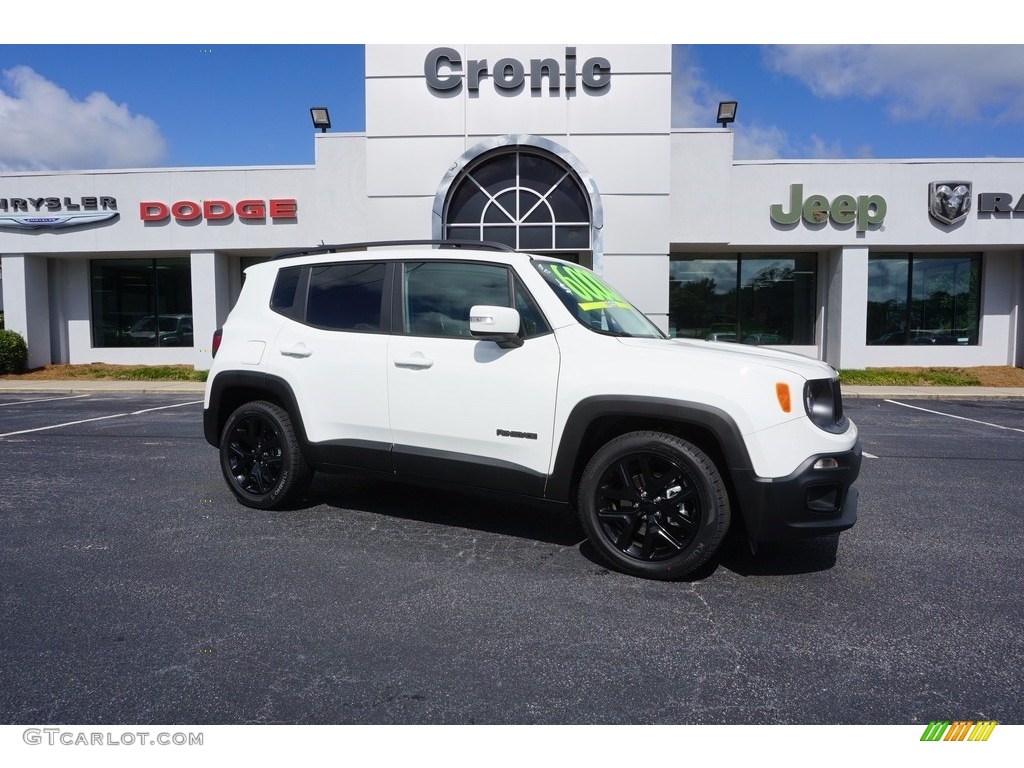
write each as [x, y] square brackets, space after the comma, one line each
[532, 322]
[141, 303]
[703, 298]
[750, 298]
[527, 200]
[282, 298]
[923, 299]
[439, 295]
[346, 297]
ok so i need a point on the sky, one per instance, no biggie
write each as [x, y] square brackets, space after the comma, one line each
[124, 101]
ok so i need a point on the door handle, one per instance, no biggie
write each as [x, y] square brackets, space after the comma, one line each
[415, 360]
[298, 350]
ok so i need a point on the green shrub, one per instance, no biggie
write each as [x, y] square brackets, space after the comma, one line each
[13, 352]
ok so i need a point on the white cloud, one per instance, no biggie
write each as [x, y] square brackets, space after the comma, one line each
[695, 103]
[820, 149]
[758, 142]
[42, 127]
[949, 82]
[693, 99]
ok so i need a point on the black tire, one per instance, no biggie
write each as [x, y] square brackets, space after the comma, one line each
[653, 505]
[260, 456]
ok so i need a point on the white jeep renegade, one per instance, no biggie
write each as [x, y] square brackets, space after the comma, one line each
[488, 369]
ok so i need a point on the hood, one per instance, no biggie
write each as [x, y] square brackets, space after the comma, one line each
[726, 352]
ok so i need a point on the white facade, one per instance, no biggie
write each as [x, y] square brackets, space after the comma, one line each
[653, 197]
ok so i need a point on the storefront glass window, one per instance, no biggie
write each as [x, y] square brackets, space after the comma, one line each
[749, 298]
[923, 299]
[142, 303]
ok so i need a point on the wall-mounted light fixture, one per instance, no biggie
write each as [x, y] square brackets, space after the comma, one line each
[726, 112]
[322, 118]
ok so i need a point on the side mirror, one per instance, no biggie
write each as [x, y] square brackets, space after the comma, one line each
[497, 324]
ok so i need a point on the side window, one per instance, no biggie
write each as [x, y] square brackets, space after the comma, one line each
[532, 322]
[346, 297]
[283, 297]
[438, 295]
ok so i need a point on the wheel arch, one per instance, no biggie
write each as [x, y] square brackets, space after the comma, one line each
[595, 421]
[231, 389]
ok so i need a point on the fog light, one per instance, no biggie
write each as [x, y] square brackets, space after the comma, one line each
[827, 463]
[824, 498]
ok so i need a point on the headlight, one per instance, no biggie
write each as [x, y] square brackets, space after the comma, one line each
[823, 402]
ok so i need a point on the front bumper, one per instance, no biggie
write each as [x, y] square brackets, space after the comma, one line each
[809, 502]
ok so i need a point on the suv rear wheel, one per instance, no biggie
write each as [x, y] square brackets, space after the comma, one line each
[653, 505]
[260, 456]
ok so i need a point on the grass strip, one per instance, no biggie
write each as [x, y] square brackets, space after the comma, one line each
[910, 377]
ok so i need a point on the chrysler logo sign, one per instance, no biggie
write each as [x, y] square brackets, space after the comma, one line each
[56, 221]
[55, 212]
[949, 201]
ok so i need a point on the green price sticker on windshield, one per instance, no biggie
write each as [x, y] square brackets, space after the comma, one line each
[590, 292]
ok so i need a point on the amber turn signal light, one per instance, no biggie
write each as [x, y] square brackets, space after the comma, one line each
[782, 393]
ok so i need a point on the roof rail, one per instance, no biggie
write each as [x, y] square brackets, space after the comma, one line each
[485, 245]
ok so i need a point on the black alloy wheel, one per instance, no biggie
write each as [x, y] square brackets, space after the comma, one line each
[654, 505]
[260, 456]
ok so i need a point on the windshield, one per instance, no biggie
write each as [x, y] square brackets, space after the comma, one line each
[594, 303]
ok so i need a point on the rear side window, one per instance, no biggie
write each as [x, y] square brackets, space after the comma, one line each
[283, 297]
[346, 297]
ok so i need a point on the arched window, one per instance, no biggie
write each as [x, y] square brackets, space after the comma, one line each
[522, 197]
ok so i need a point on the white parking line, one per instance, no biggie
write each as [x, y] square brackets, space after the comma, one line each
[954, 416]
[869, 455]
[44, 400]
[98, 418]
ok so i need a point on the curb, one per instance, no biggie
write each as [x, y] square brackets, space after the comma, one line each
[933, 393]
[90, 387]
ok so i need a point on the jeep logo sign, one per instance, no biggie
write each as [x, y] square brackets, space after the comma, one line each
[865, 210]
[444, 72]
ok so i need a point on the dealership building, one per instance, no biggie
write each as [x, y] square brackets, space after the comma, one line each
[564, 150]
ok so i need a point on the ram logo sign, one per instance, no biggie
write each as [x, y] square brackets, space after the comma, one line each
[949, 201]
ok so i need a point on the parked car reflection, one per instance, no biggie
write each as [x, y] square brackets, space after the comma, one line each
[921, 337]
[764, 338]
[759, 337]
[173, 330]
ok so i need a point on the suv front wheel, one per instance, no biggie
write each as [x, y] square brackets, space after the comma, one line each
[653, 505]
[260, 456]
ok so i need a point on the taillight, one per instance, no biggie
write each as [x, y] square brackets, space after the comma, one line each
[216, 340]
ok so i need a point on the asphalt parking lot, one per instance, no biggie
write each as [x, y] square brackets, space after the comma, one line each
[136, 590]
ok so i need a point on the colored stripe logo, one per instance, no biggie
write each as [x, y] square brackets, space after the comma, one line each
[958, 730]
